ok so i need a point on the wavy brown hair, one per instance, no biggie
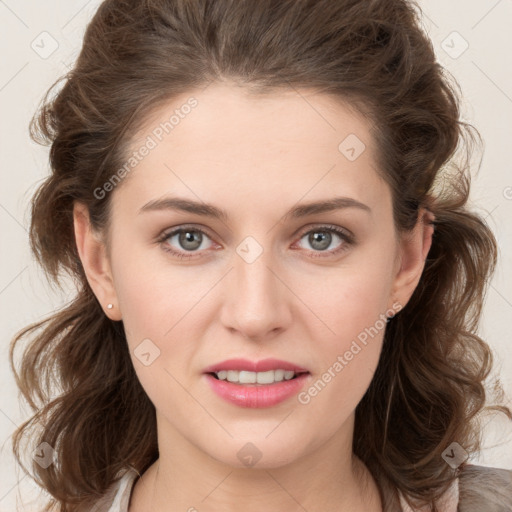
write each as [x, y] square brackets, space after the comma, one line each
[429, 387]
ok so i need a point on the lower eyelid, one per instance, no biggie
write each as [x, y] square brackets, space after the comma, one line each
[167, 247]
[345, 238]
[346, 241]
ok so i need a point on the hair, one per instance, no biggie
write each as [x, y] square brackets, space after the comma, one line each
[429, 387]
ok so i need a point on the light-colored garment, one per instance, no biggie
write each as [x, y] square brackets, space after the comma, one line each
[448, 503]
[122, 496]
[118, 496]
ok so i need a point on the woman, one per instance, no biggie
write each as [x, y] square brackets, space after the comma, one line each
[278, 280]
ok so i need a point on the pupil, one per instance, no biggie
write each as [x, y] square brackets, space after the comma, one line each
[192, 237]
[320, 236]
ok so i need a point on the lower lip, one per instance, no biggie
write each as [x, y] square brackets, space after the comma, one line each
[257, 395]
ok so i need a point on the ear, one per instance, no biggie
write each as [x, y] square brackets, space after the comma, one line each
[93, 255]
[413, 250]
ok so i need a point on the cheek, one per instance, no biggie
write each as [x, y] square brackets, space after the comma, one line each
[150, 293]
[352, 305]
[348, 363]
[157, 304]
[350, 298]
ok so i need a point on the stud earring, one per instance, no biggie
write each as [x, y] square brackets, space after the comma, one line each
[110, 306]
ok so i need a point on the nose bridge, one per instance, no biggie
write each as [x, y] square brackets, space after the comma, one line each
[255, 304]
[255, 283]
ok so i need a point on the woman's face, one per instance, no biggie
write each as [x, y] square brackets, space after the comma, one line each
[270, 279]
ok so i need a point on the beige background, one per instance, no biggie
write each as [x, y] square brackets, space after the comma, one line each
[39, 40]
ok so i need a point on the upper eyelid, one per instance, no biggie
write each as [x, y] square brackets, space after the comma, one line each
[173, 231]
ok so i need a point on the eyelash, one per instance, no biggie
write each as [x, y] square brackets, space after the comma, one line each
[347, 239]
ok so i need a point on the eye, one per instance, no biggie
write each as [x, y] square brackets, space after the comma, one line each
[191, 240]
[188, 239]
[322, 237]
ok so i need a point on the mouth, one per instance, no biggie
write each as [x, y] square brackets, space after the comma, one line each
[263, 389]
[249, 378]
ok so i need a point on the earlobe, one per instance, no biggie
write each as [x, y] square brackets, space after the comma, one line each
[93, 255]
[414, 248]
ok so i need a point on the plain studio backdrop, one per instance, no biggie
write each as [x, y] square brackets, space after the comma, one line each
[41, 40]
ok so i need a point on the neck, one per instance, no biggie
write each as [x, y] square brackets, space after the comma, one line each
[201, 483]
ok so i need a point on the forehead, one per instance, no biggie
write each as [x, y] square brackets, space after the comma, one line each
[231, 113]
[223, 140]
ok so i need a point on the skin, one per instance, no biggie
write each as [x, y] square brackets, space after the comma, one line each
[256, 158]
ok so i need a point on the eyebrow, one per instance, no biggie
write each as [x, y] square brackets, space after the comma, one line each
[209, 210]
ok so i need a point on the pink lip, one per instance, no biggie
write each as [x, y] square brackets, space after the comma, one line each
[254, 366]
[257, 395]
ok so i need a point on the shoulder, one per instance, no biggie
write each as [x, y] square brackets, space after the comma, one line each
[117, 496]
[476, 489]
[485, 488]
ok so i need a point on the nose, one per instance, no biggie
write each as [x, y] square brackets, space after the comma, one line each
[256, 301]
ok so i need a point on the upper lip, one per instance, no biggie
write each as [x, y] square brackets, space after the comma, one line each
[254, 366]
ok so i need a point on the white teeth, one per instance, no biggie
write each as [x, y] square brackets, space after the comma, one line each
[245, 377]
